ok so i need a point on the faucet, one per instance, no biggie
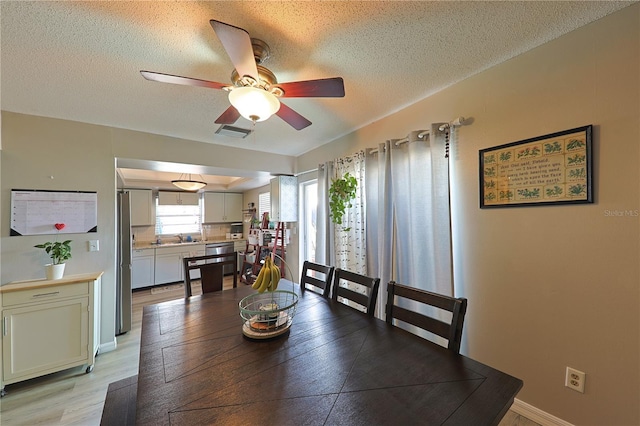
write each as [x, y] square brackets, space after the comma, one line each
[180, 238]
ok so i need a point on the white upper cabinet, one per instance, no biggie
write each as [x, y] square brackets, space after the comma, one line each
[233, 207]
[141, 207]
[284, 199]
[178, 198]
[222, 207]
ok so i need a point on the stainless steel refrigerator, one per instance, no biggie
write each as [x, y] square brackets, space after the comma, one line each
[123, 287]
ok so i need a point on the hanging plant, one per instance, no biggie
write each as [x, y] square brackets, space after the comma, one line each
[341, 193]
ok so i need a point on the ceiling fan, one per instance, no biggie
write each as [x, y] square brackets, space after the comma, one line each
[255, 91]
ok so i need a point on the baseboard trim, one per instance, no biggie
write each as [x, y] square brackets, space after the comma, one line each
[108, 347]
[537, 415]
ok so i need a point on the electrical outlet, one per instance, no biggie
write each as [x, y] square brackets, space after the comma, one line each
[574, 379]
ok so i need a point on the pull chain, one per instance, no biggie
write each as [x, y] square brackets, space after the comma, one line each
[253, 131]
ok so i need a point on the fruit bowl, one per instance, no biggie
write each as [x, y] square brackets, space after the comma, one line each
[268, 314]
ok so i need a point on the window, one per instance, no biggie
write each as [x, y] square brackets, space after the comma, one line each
[264, 204]
[175, 219]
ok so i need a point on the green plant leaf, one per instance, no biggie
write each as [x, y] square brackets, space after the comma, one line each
[341, 192]
[59, 252]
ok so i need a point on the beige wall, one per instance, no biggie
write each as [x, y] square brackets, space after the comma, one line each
[548, 286]
[82, 157]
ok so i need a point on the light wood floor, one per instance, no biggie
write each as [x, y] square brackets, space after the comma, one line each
[72, 397]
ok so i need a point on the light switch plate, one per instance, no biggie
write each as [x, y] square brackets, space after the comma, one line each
[94, 245]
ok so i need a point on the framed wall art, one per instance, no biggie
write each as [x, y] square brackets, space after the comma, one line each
[549, 169]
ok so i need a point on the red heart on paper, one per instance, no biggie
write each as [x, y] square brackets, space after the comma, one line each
[59, 226]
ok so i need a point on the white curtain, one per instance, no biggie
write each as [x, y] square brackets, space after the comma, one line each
[350, 242]
[336, 245]
[380, 229]
[408, 211]
[324, 227]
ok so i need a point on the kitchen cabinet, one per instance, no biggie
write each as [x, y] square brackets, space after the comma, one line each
[284, 199]
[222, 207]
[49, 326]
[199, 251]
[178, 198]
[168, 267]
[141, 207]
[168, 262]
[143, 268]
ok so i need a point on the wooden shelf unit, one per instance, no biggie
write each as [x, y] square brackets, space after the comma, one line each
[249, 269]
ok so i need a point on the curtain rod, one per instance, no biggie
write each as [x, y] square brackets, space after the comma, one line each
[455, 123]
[458, 121]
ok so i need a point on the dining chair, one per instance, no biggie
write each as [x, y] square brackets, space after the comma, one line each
[360, 289]
[318, 277]
[211, 269]
[452, 331]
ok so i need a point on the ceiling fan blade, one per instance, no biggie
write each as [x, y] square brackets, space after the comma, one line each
[321, 88]
[237, 43]
[230, 116]
[294, 119]
[185, 81]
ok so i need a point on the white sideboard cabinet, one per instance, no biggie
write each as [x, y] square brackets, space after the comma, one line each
[49, 326]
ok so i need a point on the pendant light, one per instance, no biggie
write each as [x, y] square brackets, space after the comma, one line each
[253, 103]
[189, 184]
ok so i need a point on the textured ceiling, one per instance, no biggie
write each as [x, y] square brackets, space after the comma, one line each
[81, 60]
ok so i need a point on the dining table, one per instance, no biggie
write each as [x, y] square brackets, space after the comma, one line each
[334, 366]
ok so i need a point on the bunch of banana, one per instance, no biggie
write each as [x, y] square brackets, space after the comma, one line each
[268, 277]
[275, 276]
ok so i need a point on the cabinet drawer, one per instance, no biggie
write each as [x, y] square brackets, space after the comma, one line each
[44, 294]
[143, 252]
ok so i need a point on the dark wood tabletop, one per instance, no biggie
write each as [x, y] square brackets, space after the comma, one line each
[334, 366]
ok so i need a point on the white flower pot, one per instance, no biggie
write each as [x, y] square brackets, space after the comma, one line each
[54, 272]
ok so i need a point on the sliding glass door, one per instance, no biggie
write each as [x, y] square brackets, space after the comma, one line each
[309, 192]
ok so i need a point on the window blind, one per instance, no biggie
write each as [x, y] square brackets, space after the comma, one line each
[178, 219]
[264, 203]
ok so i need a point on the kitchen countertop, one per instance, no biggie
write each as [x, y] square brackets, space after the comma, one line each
[151, 245]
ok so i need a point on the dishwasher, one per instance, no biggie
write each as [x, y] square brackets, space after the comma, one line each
[220, 248]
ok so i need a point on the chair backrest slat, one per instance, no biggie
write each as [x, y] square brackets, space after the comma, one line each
[424, 322]
[433, 299]
[359, 298]
[367, 284]
[317, 281]
[450, 331]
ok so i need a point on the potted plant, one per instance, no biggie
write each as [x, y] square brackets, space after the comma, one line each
[341, 192]
[59, 252]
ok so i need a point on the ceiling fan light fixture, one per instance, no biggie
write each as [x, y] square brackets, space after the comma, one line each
[254, 104]
[189, 184]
